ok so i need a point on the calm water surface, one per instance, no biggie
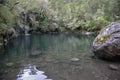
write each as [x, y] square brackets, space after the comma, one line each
[53, 54]
[62, 46]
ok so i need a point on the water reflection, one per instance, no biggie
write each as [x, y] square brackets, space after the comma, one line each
[45, 51]
[61, 45]
[30, 72]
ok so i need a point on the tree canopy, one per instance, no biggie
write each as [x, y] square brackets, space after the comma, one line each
[88, 15]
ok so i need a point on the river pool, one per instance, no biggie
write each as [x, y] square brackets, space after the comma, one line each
[59, 56]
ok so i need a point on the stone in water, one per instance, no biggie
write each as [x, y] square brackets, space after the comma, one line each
[75, 59]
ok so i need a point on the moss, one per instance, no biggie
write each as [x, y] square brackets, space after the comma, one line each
[104, 39]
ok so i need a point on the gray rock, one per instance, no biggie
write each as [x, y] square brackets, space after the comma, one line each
[35, 54]
[107, 44]
[113, 67]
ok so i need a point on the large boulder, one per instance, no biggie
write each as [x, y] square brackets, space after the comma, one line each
[107, 44]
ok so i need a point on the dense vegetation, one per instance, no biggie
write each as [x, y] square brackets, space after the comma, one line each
[16, 16]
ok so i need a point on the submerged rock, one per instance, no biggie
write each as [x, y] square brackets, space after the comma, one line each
[107, 44]
[75, 59]
[10, 64]
[113, 67]
[35, 54]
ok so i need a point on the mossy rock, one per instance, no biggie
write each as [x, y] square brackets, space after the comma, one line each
[106, 44]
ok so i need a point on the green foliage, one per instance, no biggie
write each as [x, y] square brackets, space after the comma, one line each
[1, 40]
[42, 21]
[93, 14]
[97, 24]
[89, 15]
[3, 28]
[6, 19]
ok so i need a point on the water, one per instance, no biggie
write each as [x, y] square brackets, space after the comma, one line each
[62, 46]
[60, 56]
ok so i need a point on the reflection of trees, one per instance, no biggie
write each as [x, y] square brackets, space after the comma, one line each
[65, 45]
[20, 46]
[62, 45]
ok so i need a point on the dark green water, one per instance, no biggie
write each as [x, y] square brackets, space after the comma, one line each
[52, 47]
[52, 54]
[63, 46]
